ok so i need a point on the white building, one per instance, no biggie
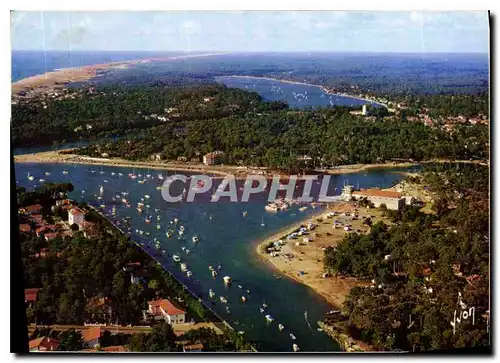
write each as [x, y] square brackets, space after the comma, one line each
[392, 200]
[164, 309]
[213, 158]
[76, 216]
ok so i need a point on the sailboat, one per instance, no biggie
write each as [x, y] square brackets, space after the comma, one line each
[101, 190]
[262, 223]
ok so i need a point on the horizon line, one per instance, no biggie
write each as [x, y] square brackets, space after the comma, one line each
[249, 51]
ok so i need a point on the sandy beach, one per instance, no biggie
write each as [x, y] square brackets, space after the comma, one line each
[222, 170]
[308, 256]
[60, 77]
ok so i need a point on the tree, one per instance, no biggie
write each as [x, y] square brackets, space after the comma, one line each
[70, 340]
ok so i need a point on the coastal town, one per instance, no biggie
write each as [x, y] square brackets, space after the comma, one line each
[55, 225]
[255, 199]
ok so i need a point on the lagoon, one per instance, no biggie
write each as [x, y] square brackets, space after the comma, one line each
[226, 238]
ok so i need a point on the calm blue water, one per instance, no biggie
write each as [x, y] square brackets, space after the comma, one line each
[296, 95]
[228, 239]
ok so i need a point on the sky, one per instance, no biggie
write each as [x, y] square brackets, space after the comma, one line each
[252, 31]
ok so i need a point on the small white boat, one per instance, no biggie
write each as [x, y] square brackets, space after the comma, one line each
[227, 280]
[113, 173]
[158, 226]
[160, 176]
[211, 293]
[264, 305]
[269, 318]
[261, 310]
[189, 273]
[147, 196]
[41, 180]
[181, 228]
[223, 299]
[281, 327]
[30, 177]
[295, 348]
[176, 220]
[169, 234]
[176, 258]
[65, 172]
[292, 336]
[243, 299]
[210, 268]
[183, 267]
[187, 251]
[181, 233]
[240, 287]
[245, 213]
[47, 173]
[214, 273]
[195, 239]
[183, 248]
[120, 174]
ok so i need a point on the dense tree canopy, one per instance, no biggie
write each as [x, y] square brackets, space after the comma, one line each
[419, 264]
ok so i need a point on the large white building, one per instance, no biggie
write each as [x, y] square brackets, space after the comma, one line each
[76, 216]
[213, 158]
[164, 309]
[392, 200]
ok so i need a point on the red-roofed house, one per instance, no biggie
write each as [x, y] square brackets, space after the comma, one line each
[213, 158]
[164, 309]
[91, 337]
[45, 228]
[192, 348]
[31, 295]
[392, 200]
[75, 216]
[44, 344]
[34, 209]
[24, 227]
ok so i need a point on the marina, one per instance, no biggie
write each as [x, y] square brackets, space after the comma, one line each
[228, 248]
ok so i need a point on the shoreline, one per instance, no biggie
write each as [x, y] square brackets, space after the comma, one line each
[54, 157]
[323, 88]
[271, 263]
[61, 77]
